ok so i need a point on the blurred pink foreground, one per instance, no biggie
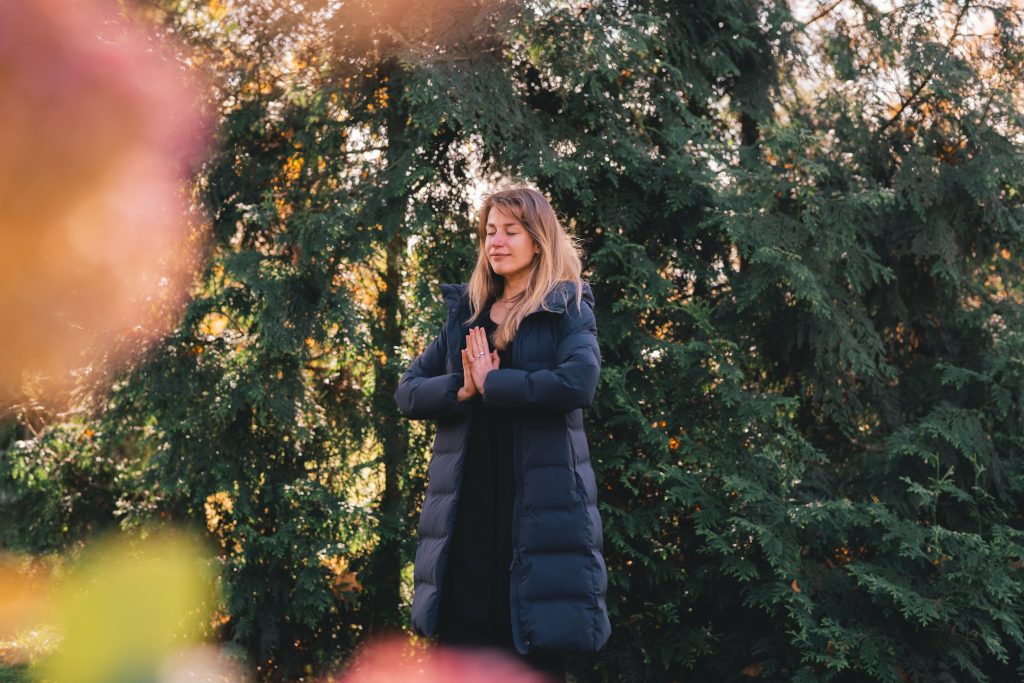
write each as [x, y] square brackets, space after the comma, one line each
[99, 136]
[391, 660]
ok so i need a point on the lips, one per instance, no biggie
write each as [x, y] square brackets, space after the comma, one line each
[498, 256]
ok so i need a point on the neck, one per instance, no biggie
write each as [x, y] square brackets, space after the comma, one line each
[514, 286]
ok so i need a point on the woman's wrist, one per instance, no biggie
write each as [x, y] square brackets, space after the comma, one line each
[463, 395]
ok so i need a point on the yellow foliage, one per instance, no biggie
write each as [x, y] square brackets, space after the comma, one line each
[218, 506]
[131, 602]
[218, 9]
[343, 581]
[284, 209]
[293, 168]
[213, 324]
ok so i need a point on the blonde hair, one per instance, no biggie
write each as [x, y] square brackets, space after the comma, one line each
[559, 259]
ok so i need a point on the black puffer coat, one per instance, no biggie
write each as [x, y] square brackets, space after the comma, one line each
[558, 574]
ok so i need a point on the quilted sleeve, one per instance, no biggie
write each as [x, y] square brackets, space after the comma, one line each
[569, 385]
[425, 391]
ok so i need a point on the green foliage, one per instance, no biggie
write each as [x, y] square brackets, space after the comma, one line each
[14, 674]
[63, 486]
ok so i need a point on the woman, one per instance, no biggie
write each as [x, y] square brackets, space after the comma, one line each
[509, 551]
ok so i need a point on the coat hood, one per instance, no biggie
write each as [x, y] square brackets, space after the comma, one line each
[556, 300]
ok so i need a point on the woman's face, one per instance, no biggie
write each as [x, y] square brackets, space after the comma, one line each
[508, 246]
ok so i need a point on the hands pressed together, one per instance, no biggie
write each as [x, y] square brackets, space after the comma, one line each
[477, 361]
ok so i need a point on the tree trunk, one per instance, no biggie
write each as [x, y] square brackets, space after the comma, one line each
[383, 612]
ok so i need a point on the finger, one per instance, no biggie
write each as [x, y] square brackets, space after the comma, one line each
[467, 371]
[478, 345]
[485, 348]
[478, 342]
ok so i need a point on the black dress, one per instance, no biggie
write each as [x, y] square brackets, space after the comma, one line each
[474, 609]
[474, 598]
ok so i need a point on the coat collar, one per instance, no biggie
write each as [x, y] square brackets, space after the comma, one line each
[556, 301]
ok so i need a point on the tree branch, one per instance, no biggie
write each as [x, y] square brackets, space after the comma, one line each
[931, 72]
[823, 13]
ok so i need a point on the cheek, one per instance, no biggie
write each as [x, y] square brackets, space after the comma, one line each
[523, 244]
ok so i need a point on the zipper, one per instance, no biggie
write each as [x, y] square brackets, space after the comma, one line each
[520, 643]
[517, 503]
[513, 593]
[517, 440]
[517, 462]
[517, 506]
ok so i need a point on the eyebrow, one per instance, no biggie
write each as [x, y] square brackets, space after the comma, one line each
[505, 225]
